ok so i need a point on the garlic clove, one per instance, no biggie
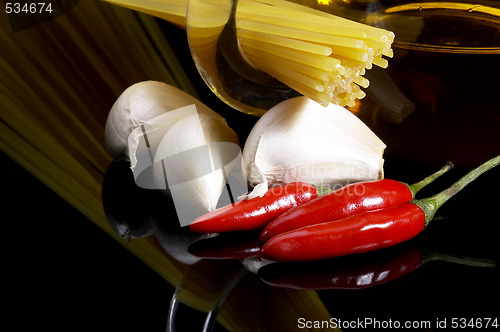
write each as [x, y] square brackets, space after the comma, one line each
[174, 143]
[144, 140]
[192, 160]
[139, 103]
[300, 140]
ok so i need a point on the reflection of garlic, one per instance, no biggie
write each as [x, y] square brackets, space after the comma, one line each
[300, 140]
[173, 142]
[138, 104]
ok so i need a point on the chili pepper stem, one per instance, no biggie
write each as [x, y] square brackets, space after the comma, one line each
[431, 204]
[416, 187]
[431, 255]
[322, 190]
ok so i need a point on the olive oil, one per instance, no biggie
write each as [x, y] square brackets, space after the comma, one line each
[441, 91]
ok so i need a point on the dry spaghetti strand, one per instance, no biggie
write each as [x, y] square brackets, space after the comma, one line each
[320, 55]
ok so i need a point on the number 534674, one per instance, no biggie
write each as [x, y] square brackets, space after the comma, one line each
[28, 8]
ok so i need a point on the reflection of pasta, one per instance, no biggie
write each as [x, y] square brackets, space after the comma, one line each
[320, 55]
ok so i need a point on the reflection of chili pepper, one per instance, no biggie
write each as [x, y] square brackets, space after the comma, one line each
[366, 231]
[231, 245]
[346, 201]
[257, 212]
[341, 273]
[362, 271]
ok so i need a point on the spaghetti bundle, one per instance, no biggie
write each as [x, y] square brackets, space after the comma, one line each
[173, 11]
[58, 81]
[320, 55]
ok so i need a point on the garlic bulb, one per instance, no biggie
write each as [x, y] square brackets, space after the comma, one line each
[300, 140]
[139, 103]
[195, 156]
[174, 143]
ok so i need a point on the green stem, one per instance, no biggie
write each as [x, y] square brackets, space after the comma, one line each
[461, 260]
[432, 204]
[322, 190]
[416, 187]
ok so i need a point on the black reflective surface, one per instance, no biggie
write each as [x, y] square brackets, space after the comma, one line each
[448, 271]
[94, 282]
[61, 272]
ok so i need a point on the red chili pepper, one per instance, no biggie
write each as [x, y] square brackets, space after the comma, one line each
[366, 231]
[257, 212]
[347, 201]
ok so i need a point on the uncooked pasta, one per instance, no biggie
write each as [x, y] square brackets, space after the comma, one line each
[320, 55]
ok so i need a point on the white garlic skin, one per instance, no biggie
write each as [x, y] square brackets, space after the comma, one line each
[139, 103]
[300, 140]
[166, 116]
[199, 187]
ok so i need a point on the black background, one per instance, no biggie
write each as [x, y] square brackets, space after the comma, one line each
[64, 273]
